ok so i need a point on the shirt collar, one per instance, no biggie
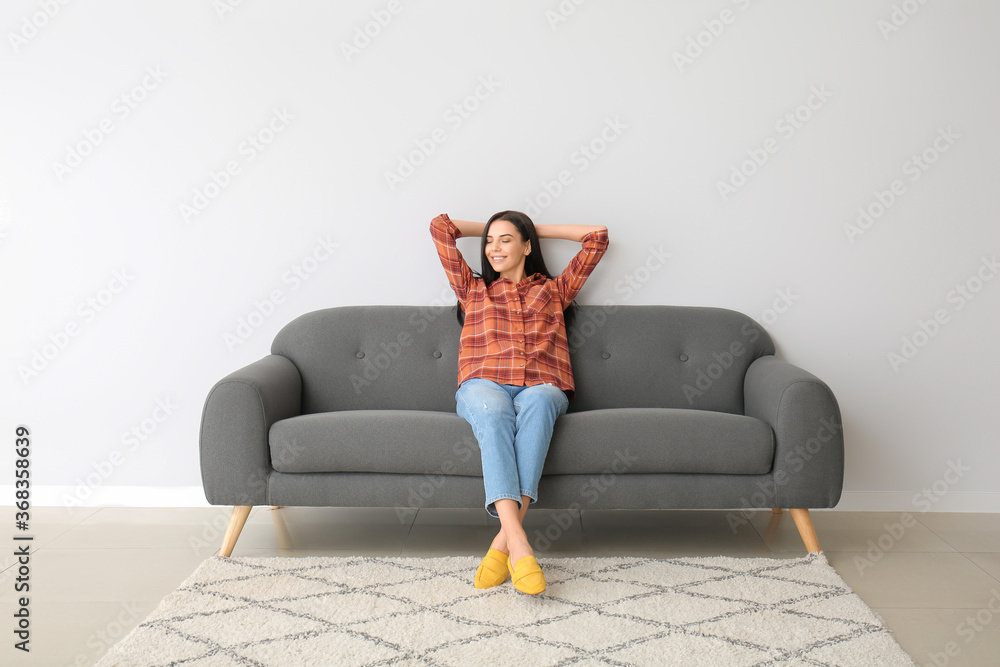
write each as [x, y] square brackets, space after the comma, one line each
[534, 277]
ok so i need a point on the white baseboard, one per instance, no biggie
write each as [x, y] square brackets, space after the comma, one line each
[194, 496]
[113, 496]
[896, 501]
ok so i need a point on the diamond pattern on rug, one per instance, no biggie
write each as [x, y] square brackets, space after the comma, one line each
[349, 607]
[673, 608]
[679, 649]
[502, 649]
[575, 590]
[364, 610]
[605, 631]
[759, 589]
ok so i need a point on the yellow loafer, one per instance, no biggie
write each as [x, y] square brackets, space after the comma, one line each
[492, 571]
[527, 575]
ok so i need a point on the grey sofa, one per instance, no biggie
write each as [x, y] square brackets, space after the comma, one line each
[675, 408]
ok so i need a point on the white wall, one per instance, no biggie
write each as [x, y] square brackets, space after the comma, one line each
[886, 81]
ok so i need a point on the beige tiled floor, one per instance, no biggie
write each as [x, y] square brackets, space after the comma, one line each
[98, 572]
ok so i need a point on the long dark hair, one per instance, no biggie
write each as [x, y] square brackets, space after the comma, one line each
[533, 263]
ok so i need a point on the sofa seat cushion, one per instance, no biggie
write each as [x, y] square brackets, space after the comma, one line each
[629, 440]
[659, 440]
[393, 441]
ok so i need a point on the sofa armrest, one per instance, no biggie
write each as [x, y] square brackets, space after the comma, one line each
[808, 466]
[235, 422]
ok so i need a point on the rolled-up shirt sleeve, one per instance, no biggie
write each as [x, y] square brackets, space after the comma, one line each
[444, 232]
[571, 280]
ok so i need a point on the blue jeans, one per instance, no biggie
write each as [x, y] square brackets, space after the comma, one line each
[513, 425]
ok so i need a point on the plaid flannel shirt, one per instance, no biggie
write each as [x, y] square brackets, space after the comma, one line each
[515, 334]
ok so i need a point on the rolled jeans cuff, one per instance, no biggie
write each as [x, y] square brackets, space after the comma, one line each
[491, 507]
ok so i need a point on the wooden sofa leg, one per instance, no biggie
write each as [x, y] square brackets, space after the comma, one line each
[236, 521]
[776, 510]
[805, 525]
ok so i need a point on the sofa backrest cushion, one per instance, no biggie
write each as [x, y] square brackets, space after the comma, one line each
[406, 357]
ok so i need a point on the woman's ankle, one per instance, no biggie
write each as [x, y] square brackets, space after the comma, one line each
[520, 543]
[519, 551]
[500, 543]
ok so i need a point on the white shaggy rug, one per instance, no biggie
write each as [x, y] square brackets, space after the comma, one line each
[363, 610]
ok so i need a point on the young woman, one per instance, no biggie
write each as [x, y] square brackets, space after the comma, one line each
[514, 374]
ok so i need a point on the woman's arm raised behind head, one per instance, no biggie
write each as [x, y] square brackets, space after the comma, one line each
[443, 231]
[469, 228]
[568, 232]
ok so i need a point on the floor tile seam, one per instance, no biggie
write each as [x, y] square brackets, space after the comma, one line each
[941, 537]
[995, 577]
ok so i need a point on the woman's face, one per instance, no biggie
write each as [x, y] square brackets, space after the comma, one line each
[504, 247]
